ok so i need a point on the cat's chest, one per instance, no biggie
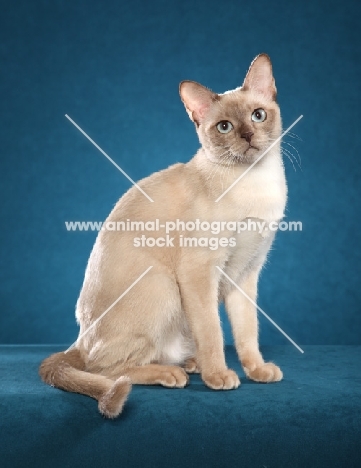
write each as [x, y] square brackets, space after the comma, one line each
[257, 204]
[259, 193]
[264, 202]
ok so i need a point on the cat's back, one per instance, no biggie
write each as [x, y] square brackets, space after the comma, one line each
[172, 189]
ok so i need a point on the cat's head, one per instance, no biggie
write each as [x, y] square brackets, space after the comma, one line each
[238, 125]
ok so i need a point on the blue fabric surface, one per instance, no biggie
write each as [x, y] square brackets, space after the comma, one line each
[310, 419]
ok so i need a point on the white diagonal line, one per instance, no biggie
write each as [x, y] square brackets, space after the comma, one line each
[109, 308]
[261, 310]
[256, 161]
[108, 157]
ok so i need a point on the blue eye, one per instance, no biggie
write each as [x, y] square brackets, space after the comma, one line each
[259, 115]
[224, 126]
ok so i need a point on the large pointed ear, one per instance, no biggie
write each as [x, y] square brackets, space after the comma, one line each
[260, 79]
[197, 99]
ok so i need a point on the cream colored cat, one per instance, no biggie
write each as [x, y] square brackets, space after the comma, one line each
[168, 324]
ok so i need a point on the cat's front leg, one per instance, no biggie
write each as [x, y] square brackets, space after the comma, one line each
[199, 291]
[243, 317]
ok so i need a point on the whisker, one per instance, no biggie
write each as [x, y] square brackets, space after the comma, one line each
[298, 154]
[285, 152]
[294, 135]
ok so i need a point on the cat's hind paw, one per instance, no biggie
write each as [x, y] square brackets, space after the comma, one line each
[191, 366]
[266, 373]
[173, 377]
[222, 380]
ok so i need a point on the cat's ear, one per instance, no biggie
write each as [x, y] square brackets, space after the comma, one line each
[260, 78]
[197, 99]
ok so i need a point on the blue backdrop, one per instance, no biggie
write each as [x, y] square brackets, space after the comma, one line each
[114, 67]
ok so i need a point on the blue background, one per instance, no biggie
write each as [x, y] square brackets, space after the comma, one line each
[114, 67]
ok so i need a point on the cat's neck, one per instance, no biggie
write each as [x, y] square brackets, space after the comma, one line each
[264, 181]
[270, 166]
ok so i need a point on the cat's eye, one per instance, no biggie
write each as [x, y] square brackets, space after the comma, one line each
[224, 126]
[259, 115]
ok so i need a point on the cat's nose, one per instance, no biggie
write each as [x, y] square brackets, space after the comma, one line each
[247, 136]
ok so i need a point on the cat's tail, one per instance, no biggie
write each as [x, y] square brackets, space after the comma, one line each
[67, 371]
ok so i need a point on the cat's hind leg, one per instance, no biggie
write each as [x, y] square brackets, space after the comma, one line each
[157, 374]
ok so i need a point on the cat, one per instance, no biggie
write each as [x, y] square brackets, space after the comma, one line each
[167, 325]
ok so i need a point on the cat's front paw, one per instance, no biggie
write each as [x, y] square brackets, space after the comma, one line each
[267, 372]
[226, 379]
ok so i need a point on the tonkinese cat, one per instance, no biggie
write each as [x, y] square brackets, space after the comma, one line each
[167, 325]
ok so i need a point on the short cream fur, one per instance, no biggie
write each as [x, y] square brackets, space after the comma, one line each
[168, 324]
